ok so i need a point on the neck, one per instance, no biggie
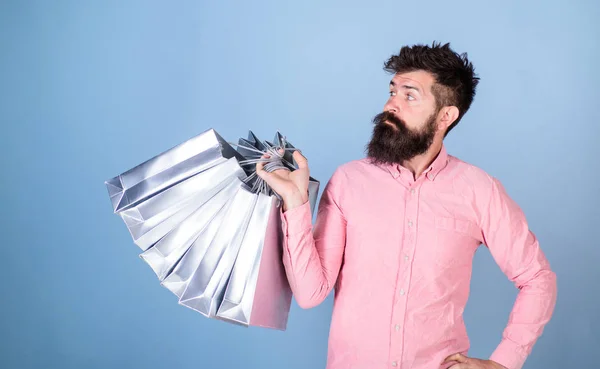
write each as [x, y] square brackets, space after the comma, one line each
[420, 163]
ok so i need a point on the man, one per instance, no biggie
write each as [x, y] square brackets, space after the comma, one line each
[396, 233]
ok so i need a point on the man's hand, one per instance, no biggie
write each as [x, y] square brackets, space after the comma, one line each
[463, 362]
[292, 186]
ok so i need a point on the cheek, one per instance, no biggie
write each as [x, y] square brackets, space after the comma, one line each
[413, 115]
[413, 121]
[419, 118]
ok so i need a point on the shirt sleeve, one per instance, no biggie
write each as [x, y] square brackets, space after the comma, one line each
[312, 257]
[516, 250]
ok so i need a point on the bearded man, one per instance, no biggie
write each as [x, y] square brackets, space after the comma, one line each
[396, 233]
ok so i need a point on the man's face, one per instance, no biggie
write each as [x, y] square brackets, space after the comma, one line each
[408, 124]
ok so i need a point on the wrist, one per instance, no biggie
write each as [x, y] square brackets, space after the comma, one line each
[293, 201]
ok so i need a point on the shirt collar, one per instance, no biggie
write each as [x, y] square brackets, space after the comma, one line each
[438, 164]
[431, 172]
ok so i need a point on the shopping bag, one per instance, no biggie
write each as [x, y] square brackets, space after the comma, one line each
[206, 287]
[163, 255]
[166, 169]
[150, 220]
[183, 271]
[209, 227]
[253, 289]
[249, 298]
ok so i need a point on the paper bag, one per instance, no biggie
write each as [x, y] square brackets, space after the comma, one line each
[210, 228]
[150, 220]
[166, 169]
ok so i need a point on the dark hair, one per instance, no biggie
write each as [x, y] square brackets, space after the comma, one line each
[455, 78]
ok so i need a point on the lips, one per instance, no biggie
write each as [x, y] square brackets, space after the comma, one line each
[390, 123]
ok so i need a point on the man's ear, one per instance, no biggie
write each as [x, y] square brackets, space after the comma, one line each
[447, 116]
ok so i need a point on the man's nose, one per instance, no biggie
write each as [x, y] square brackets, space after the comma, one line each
[391, 107]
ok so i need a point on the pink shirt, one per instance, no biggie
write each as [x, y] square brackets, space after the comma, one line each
[399, 254]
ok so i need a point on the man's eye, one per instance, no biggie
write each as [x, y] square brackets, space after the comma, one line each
[392, 93]
[410, 97]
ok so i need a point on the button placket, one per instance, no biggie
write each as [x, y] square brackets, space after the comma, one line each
[408, 247]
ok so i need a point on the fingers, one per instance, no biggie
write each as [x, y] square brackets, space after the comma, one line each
[260, 166]
[272, 179]
[300, 160]
[458, 357]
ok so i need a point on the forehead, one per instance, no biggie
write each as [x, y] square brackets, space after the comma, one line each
[420, 79]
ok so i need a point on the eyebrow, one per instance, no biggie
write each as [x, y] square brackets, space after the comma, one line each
[409, 87]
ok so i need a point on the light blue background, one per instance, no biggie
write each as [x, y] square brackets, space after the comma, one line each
[90, 89]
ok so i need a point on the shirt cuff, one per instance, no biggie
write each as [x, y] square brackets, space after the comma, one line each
[509, 354]
[296, 220]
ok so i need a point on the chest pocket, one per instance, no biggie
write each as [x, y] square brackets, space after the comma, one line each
[456, 240]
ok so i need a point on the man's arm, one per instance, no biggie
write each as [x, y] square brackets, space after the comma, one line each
[517, 251]
[312, 260]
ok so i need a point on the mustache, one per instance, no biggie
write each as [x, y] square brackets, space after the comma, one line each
[390, 117]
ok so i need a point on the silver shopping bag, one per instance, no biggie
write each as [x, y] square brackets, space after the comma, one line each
[166, 169]
[240, 276]
[152, 219]
[206, 287]
[183, 271]
[165, 254]
[248, 299]
[210, 227]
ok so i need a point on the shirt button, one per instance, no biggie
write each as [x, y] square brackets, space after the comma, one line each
[402, 292]
[405, 257]
[397, 327]
[410, 223]
[412, 191]
[394, 363]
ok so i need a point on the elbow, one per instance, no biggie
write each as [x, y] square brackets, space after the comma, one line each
[548, 280]
[541, 292]
[308, 302]
[552, 283]
[544, 281]
[549, 286]
[548, 289]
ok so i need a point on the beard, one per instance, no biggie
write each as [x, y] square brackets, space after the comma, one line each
[394, 145]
